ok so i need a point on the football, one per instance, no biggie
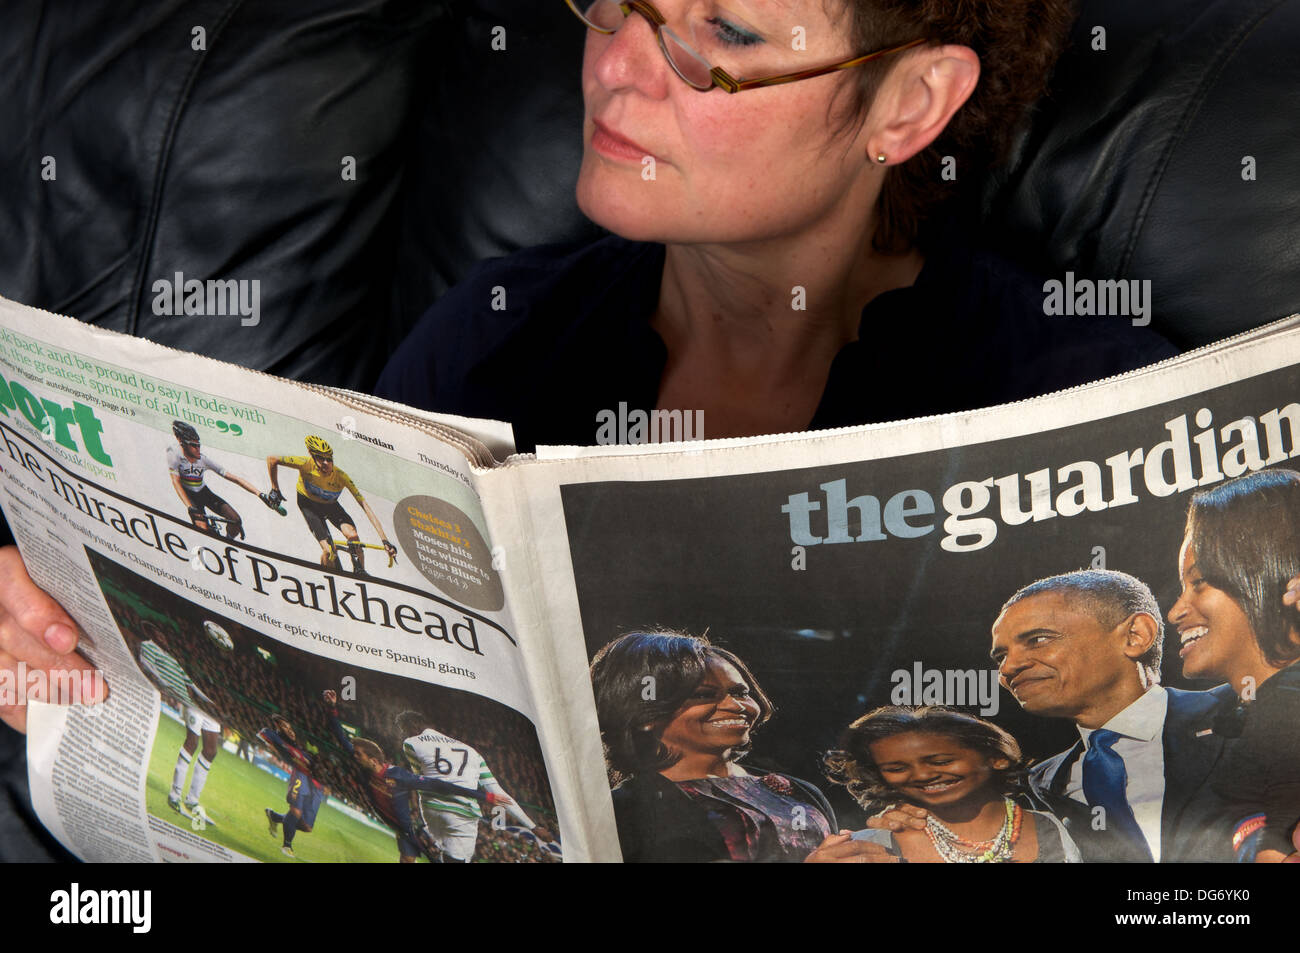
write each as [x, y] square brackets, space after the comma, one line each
[219, 635]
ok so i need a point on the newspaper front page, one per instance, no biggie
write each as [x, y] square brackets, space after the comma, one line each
[326, 673]
[1000, 618]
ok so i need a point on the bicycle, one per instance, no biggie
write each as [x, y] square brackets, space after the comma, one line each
[220, 526]
[351, 547]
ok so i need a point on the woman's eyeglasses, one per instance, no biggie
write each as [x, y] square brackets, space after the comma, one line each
[606, 16]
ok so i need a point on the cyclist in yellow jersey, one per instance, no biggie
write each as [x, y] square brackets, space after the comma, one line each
[320, 483]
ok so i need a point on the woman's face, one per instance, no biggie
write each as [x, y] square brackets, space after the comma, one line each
[933, 769]
[663, 162]
[718, 715]
[1214, 634]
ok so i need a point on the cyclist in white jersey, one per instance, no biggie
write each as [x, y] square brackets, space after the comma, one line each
[187, 464]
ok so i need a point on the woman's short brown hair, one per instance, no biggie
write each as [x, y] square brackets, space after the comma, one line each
[1018, 43]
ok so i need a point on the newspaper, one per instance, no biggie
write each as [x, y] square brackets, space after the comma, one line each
[718, 650]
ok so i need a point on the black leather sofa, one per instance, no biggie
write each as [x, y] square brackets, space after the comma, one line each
[225, 158]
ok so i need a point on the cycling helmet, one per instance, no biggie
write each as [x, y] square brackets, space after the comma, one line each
[318, 447]
[184, 432]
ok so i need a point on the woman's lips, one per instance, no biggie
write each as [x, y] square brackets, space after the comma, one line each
[609, 143]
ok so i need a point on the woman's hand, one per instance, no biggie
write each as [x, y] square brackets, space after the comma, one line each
[841, 848]
[36, 634]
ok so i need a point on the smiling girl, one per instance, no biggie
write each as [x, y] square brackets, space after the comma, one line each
[963, 771]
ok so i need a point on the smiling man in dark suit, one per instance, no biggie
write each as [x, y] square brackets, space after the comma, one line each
[1087, 646]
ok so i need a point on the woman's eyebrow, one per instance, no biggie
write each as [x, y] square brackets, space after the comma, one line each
[762, 16]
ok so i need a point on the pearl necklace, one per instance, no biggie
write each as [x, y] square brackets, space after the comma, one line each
[956, 850]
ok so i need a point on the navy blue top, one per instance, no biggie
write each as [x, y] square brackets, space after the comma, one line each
[547, 338]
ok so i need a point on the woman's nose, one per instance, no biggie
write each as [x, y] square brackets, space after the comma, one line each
[631, 58]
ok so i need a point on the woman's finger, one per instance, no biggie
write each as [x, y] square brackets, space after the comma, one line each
[31, 607]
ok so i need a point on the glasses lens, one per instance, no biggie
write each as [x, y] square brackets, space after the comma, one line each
[689, 65]
[603, 15]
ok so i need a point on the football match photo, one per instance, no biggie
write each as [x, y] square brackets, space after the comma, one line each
[282, 756]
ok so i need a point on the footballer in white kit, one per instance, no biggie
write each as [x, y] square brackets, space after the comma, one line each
[452, 822]
[201, 728]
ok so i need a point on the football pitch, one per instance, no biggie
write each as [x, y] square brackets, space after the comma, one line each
[236, 796]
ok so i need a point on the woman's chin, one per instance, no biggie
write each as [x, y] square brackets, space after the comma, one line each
[617, 207]
[1195, 667]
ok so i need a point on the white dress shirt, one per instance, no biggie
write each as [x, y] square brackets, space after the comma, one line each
[1141, 745]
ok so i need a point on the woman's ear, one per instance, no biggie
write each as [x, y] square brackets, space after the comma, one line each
[1000, 764]
[918, 99]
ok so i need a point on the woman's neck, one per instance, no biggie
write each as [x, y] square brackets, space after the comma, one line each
[751, 331]
[701, 765]
[1250, 673]
[794, 295]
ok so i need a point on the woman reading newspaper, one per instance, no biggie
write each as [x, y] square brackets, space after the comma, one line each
[785, 183]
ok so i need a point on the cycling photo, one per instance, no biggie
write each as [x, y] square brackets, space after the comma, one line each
[187, 464]
[320, 483]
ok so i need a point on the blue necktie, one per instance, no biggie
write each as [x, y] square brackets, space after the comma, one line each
[1104, 777]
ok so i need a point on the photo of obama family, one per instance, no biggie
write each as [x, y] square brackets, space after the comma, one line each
[758, 740]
